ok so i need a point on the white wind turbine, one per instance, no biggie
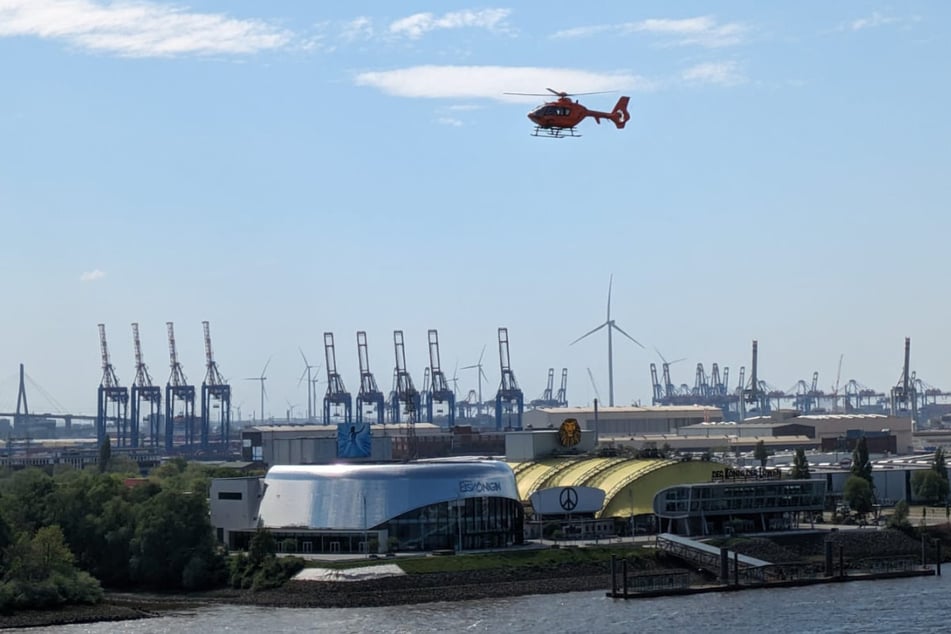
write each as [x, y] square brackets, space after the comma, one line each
[611, 326]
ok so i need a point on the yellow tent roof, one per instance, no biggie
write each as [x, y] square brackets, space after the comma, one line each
[629, 484]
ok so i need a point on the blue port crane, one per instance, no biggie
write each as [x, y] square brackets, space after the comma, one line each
[509, 399]
[561, 398]
[369, 394]
[144, 392]
[547, 398]
[405, 396]
[903, 396]
[439, 391]
[110, 393]
[178, 390]
[215, 394]
[336, 394]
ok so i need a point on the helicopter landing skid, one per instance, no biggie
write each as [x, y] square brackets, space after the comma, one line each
[555, 133]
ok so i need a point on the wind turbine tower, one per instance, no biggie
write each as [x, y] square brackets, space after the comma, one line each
[262, 379]
[611, 326]
[480, 375]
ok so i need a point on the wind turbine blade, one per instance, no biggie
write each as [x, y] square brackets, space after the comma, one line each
[303, 374]
[618, 328]
[303, 356]
[660, 355]
[610, 284]
[482, 354]
[264, 371]
[469, 367]
[590, 332]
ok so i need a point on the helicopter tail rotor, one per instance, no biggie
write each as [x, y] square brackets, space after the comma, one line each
[620, 115]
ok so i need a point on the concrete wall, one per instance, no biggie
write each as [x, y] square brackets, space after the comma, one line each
[231, 514]
[522, 446]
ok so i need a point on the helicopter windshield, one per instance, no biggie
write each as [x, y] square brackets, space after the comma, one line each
[550, 111]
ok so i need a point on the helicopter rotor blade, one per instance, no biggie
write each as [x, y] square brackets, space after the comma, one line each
[576, 94]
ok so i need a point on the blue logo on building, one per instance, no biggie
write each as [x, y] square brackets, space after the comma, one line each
[479, 486]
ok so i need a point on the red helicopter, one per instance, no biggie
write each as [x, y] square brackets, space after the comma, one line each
[557, 119]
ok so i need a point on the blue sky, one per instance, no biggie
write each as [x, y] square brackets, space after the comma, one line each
[284, 169]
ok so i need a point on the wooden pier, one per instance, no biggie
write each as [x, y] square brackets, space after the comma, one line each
[748, 573]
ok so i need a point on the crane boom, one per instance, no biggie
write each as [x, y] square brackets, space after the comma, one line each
[212, 375]
[142, 376]
[562, 397]
[109, 378]
[177, 376]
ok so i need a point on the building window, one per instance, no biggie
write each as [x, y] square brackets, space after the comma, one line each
[229, 495]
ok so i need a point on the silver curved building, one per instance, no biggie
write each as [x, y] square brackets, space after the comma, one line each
[378, 507]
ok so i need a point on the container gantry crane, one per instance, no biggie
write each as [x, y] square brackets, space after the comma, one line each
[110, 392]
[369, 394]
[177, 389]
[439, 391]
[424, 393]
[509, 395]
[755, 392]
[904, 395]
[405, 395]
[337, 393]
[562, 397]
[657, 390]
[547, 398]
[214, 388]
[144, 391]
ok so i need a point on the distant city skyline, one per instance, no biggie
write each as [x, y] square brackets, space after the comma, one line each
[287, 169]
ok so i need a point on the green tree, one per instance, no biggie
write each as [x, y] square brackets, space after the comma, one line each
[800, 466]
[25, 502]
[40, 573]
[940, 465]
[105, 455]
[261, 548]
[861, 465]
[899, 517]
[760, 453]
[172, 530]
[857, 493]
[927, 485]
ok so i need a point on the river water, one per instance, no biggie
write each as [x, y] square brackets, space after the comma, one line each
[899, 605]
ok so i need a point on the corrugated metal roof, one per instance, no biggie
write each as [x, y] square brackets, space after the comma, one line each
[656, 409]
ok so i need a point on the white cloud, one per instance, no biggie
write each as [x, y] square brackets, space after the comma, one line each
[700, 31]
[450, 121]
[92, 276]
[721, 73]
[491, 82]
[878, 19]
[138, 28]
[357, 29]
[418, 24]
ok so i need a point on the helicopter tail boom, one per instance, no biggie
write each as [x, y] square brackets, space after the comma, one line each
[618, 115]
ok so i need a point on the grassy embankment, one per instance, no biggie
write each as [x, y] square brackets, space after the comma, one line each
[509, 560]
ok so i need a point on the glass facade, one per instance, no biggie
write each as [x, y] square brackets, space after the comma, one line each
[742, 505]
[487, 522]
